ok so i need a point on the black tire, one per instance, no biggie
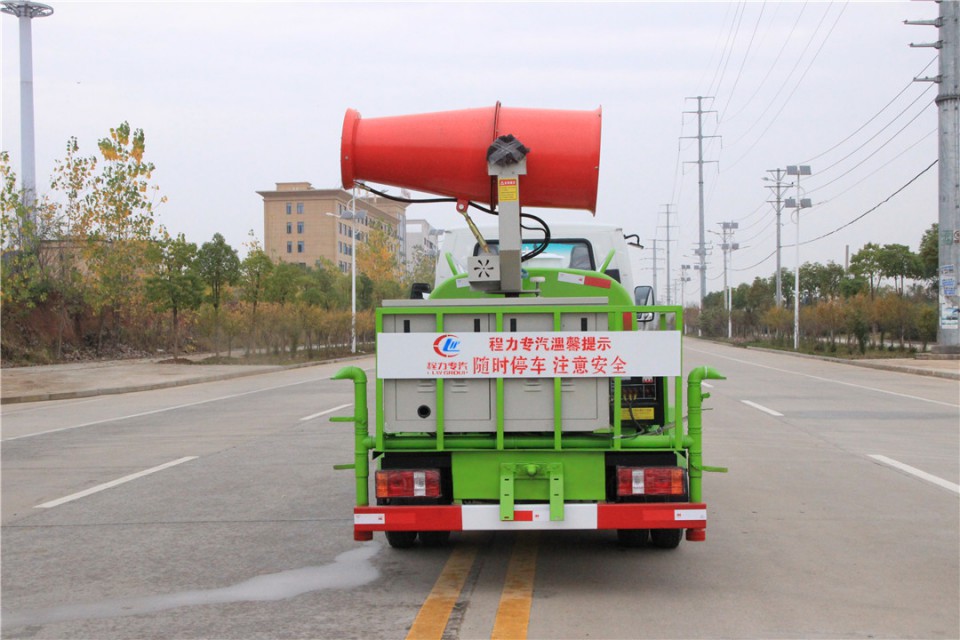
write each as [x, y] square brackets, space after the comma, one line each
[434, 538]
[401, 539]
[666, 538]
[633, 537]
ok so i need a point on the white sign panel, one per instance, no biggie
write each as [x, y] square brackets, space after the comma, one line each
[565, 354]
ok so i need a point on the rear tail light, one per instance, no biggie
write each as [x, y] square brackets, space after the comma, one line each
[650, 481]
[408, 483]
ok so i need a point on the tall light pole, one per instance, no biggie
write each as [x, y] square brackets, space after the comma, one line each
[684, 279]
[27, 11]
[798, 203]
[728, 248]
[352, 217]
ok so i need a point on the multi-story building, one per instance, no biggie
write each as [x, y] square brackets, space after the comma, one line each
[302, 224]
[421, 234]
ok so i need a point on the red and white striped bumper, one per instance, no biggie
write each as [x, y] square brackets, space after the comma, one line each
[486, 517]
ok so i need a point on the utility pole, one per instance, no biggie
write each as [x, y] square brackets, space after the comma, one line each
[948, 104]
[656, 300]
[27, 11]
[667, 212]
[798, 203]
[778, 187]
[701, 251]
[728, 247]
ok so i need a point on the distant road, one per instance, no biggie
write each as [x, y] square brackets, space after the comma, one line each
[213, 511]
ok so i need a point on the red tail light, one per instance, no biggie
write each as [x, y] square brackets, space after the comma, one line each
[650, 481]
[408, 483]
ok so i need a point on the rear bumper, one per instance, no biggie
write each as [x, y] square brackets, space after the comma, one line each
[486, 517]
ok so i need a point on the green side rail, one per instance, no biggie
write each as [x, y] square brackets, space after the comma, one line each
[362, 440]
[695, 398]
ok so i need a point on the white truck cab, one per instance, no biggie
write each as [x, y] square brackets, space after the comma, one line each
[574, 246]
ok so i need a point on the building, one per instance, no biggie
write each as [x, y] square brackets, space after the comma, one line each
[421, 234]
[303, 225]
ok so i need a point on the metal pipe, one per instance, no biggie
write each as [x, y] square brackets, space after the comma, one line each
[362, 440]
[695, 398]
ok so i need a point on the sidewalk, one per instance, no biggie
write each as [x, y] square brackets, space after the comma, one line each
[85, 379]
[938, 368]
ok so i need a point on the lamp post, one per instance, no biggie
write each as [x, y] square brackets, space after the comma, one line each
[798, 203]
[26, 11]
[352, 217]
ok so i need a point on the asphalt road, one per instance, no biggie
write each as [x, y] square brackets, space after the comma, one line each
[243, 530]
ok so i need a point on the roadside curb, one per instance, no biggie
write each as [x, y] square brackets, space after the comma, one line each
[948, 375]
[88, 393]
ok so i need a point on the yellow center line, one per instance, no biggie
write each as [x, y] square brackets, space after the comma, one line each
[435, 612]
[513, 614]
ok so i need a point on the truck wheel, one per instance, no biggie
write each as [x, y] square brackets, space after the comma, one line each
[666, 538]
[401, 539]
[633, 537]
[434, 538]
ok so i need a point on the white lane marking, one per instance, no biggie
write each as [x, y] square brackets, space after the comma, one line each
[923, 475]
[174, 408]
[112, 483]
[831, 380]
[707, 385]
[762, 408]
[323, 413]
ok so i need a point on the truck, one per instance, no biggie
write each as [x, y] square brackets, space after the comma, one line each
[528, 390]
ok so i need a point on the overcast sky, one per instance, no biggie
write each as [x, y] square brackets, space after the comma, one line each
[235, 97]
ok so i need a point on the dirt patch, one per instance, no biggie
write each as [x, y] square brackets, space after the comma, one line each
[176, 361]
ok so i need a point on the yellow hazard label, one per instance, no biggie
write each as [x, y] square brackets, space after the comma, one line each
[508, 190]
[639, 413]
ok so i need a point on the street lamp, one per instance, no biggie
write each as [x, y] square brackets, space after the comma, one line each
[352, 217]
[798, 203]
[26, 11]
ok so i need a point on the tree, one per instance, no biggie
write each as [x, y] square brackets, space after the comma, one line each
[175, 285]
[897, 261]
[377, 260]
[326, 287]
[929, 254]
[253, 275]
[218, 266]
[866, 264]
[23, 285]
[110, 206]
[424, 265]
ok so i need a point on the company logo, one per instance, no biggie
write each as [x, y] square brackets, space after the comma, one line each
[447, 345]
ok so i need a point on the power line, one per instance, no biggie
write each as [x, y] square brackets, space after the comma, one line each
[844, 226]
[874, 208]
[884, 128]
[797, 87]
[875, 116]
[773, 65]
[878, 169]
[727, 52]
[873, 153]
[746, 55]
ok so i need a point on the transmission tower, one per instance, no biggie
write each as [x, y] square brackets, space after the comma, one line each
[778, 187]
[666, 211]
[701, 251]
